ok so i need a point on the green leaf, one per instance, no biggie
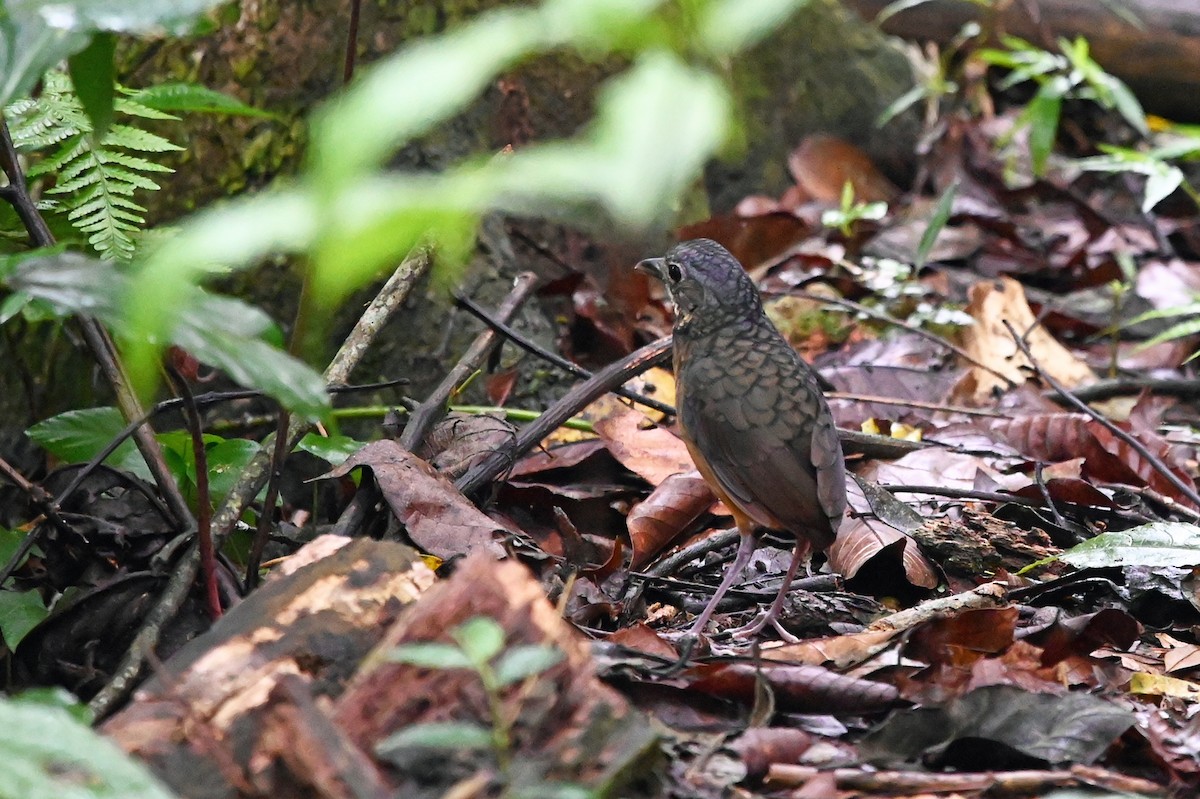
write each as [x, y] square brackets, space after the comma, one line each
[1127, 104]
[381, 219]
[1158, 544]
[225, 333]
[76, 436]
[902, 103]
[232, 235]
[226, 461]
[481, 638]
[520, 662]
[218, 330]
[732, 25]
[95, 174]
[335, 449]
[95, 82]
[57, 698]
[20, 612]
[1161, 183]
[1184, 329]
[54, 756]
[941, 214]
[430, 656]
[154, 17]
[10, 542]
[1042, 114]
[406, 94]
[28, 47]
[637, 172]
[437, 735]
[192, 97]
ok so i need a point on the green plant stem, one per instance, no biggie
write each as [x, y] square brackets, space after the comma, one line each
[512, 414]
[501, 727]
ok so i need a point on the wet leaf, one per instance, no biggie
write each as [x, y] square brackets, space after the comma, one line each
[1159, 544]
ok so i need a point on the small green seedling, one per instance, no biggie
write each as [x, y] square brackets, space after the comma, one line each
[844, 217]
[479, 645]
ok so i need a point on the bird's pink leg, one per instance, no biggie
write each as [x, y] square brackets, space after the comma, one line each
[799, 554]
[740, 561]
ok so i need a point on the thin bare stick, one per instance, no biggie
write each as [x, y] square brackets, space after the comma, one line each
[208, 554]
[266, 519]
[38, 496]
[1004, 499]
[911, 403]
[426, 415]
[571, 403]
[1155, 462]
[534, 348]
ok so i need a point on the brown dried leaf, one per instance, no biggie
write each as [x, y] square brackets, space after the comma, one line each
[839, 651]
[964, 638]
[439, 519]
[1043, 436]
[865, 536]
[670, 509]
[1082, 635]
[801, 689]
[753, 238]
[654, 453]
[992, 303]
[1110, 459]
[823, 164]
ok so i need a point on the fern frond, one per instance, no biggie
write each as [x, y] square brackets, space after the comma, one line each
[93, 181]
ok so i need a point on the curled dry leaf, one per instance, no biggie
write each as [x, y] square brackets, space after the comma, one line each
[823, 164]
[1082, 635]
[801, 689]
[867, 535]
[670, 509]
[963, 638]
[439, 519]
[993, 302]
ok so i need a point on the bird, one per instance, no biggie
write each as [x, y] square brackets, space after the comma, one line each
[752, 415]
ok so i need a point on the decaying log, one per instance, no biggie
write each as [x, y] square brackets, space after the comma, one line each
[201, 722]
[1159, 60]
[292, 692]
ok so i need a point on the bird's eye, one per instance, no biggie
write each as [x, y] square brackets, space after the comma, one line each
[674, 272]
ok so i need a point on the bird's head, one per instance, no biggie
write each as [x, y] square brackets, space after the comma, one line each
[706, 283]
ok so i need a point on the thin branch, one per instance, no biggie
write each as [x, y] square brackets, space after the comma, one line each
[1183, 387]
[534, 348]
[42, 501]
[911, 403]
[1005, 499]
[615, 374]
[266, 519]
[208, 555]
[1141, 449]
[426, 415]
[351, 41]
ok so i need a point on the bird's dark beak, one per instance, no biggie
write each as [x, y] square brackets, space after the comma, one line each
[652, 267]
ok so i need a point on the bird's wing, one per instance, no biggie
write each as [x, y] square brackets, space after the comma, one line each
[765, 453]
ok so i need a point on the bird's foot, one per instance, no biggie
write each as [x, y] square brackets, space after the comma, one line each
[759, 624]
